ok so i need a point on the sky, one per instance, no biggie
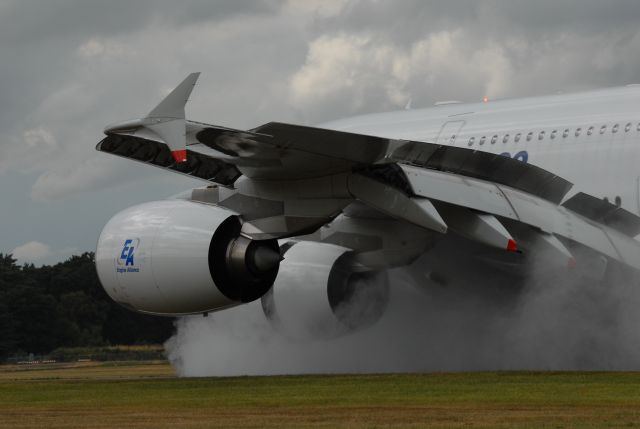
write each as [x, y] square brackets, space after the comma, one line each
[70, 67]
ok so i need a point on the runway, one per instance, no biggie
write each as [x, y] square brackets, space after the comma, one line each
[146, 395]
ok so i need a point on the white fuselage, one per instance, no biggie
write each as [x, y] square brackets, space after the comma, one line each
[591, 139]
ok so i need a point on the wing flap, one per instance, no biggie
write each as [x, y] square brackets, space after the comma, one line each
[528, 209]
[483, 165]
[604, 212]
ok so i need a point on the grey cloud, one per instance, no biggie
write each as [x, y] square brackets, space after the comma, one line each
[404, 21]
[525, 48]
[589, 16]
[30, 21]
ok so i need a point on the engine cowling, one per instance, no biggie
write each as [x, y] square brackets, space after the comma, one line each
[321, 292]
[181, 257]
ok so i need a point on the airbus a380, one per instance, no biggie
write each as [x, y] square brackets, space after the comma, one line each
[499, 189]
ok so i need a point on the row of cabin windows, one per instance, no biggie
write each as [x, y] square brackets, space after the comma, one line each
[542, 134]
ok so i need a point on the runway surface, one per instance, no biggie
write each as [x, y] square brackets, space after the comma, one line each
[148, 395]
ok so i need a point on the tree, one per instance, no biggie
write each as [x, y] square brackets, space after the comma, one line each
[43, 308]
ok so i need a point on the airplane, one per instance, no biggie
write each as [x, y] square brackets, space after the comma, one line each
[498, 189]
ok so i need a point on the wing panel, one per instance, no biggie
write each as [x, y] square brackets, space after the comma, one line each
[298, 150]
[603, 211]
[460, 191]
[482, 165]
[625, 247]
[524, 208]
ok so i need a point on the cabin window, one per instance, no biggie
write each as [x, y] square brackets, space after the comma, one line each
[565, 134]
[590, 131]
[506, 138]
[578, 132]
[627, 127]
[541, 135]
[603, 129]
[529, 136]
[553, 134]
[517, 139]
[615, 128]
[483, 139]
[494, 139]
[638, 127]
[471, 141]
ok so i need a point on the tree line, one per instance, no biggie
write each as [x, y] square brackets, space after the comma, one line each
[64, 305]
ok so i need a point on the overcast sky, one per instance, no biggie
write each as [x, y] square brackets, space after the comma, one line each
[69, 67]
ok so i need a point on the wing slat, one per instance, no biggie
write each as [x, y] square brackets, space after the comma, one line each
[150, 152]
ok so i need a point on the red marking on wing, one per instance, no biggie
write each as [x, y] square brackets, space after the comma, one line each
[179, 155]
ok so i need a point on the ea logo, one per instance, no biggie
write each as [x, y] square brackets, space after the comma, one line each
[128, 252]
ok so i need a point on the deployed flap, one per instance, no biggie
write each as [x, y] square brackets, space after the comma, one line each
[483, 165]
[510, 203]
[604, 212]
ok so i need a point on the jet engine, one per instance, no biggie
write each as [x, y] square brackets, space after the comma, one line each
[322, 292]
[181, 257]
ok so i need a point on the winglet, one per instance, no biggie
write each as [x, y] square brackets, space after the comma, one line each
[167, 119]
[173, 104]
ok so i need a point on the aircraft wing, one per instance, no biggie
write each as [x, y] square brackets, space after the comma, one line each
[483, 196]
[286, 152]
[447, 176]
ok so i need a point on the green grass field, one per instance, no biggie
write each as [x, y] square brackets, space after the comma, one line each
[148, 395]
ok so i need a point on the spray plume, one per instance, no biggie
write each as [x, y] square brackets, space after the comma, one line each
[559, 323]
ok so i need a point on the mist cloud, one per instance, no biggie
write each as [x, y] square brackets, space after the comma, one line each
[559, 323]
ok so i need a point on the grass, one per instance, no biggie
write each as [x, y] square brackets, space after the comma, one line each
[148, 395]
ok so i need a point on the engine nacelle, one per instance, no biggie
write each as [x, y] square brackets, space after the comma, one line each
[180, 257]
[322, 293]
